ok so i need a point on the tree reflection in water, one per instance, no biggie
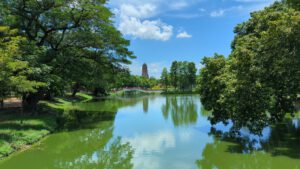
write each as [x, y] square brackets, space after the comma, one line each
[96, 148]
[116, 155]
[145, 104]
[278, 147]
[87, 148]
[183, 110]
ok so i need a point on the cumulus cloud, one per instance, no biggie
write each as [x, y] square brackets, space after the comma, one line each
[140, 19]
[183, 34]
[146, 29]
[140, 11]
[134, 22]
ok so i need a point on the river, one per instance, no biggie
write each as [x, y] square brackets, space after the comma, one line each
[160, 132]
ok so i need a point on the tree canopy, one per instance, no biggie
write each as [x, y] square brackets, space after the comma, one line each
[14, 71]
[259, 82]
[67, 44]
[182, 75]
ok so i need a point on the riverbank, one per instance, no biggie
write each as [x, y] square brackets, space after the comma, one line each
[18, 131]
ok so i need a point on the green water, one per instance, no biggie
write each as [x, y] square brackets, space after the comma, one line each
[159, 132]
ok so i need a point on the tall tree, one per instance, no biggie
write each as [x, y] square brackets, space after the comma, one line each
[71, 34]
[165, 78]
[14, 71]
[294, 4]
[260, 81]
[192, 70]
[173, 74]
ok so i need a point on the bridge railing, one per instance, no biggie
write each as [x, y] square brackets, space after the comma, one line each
[134, 88]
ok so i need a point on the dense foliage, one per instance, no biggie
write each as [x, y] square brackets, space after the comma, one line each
[125, 79]
[182, 76]
[14, 71]
[259, 82]
[66, 44]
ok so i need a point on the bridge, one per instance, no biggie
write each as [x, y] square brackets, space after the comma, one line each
[136, 89]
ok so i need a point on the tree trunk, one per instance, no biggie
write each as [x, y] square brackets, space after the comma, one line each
[95, 92]
[30, 101]
[1, 103]
[99, 91]
[22, 114]
[48, 96]
[75, 89]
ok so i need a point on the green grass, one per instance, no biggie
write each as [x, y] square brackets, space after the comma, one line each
[66, 103]
[18, 131]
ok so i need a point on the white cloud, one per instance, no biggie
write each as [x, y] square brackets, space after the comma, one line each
[221, 12]
[246, 7]
[134, 22]
[146, 29]
[141, 11]
[178, 5]
[139, 19]
[164, 5]
[201, 9]
[183, 34]
[217, 13]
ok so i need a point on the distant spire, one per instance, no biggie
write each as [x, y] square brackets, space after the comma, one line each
[145, 71]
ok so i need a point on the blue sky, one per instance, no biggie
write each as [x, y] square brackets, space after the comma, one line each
[162, 31]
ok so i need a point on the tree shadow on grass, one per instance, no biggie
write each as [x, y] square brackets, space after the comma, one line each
[5, 137]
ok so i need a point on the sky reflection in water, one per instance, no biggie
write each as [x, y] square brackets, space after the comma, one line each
[161, 132]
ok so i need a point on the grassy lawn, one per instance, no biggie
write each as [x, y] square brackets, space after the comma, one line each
[66, 103]
[18, 131]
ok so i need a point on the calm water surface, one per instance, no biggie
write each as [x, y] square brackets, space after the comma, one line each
[160, 132]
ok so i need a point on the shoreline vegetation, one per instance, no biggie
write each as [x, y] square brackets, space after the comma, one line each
[64, 47]
[19, 131]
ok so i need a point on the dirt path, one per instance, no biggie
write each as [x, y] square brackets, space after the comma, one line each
[12, 102]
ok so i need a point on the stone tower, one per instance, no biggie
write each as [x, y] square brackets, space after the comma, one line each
[145, 71]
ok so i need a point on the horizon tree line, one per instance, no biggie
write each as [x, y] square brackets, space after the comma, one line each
[181, 76]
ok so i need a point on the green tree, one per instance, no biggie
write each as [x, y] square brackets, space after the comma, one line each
[192, 70]
[211, 86]
[74, 36]
[173, 74]
[294, 3]
[14, 71]
[185, 75]
[260, 81]
[165, 78]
